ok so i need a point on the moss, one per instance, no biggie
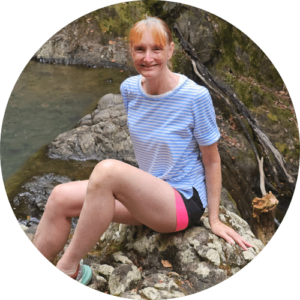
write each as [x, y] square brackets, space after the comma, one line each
[234, 203]
[117, 19]
[243, 92]
[226, 44]
[282, 148]
[241, 55]
[228, 79]
[110, 249]
[272, 117]
[180, 61]
[250, 131]
[226, 268]
[114, 247]
[250, 153]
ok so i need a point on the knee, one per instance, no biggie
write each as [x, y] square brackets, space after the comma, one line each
[58, 199]
[104, 173]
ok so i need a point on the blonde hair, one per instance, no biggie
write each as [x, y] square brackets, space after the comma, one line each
[160, 32]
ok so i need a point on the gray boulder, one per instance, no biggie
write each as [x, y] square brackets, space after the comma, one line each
[136, 262]
[100, 135]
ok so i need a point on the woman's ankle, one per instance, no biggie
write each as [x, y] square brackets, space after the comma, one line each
[68, 270]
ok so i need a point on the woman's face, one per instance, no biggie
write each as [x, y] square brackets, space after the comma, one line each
[149, 58]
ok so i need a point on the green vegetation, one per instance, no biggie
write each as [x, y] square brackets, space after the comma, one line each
[179, 60]
[230, 197]
[118, 19]
[110, 249]
[272, 117]
[239, 55]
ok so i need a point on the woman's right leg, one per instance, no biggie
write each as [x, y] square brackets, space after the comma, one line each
[65, 202]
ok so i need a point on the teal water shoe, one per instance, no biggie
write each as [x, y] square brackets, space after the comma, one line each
[85, 274]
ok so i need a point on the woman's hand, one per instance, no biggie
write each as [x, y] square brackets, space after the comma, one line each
[228, 234]
[212, 164]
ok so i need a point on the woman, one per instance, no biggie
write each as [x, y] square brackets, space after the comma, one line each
[174, 133]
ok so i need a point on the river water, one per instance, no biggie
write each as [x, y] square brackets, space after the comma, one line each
[48, 100]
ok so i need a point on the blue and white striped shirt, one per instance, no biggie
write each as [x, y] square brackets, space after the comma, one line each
[166, 131]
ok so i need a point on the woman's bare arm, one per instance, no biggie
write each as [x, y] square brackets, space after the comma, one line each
[212, 165]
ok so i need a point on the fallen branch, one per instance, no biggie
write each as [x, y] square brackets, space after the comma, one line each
[229, 98]
[231, 108]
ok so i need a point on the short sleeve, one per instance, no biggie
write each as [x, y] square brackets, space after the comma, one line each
[123, 91]
[206, 129]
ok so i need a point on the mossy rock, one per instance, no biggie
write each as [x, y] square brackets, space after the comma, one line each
[282, 148]
[272, 117]
[228, 202]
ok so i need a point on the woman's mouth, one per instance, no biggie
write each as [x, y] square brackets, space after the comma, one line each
[148, 67]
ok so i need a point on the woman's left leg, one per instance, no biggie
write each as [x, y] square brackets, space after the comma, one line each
[150, 200]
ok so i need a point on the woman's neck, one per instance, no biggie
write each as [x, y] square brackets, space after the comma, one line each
[161, 84]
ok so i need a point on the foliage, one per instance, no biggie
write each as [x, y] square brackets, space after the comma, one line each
[179, 60]
[241, 55]
[117, 19]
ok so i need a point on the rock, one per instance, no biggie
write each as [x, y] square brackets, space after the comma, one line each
[100, 135]
[30, 232]
[131, 295]
[83, 43]
[103, 270]
[160, 282]
[35, 194]
[122, 278]
[198, 259]
[154, 294]
[23, 227]
[120, 257]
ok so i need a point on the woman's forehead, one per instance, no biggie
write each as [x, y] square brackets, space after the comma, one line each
[152, 35]
[148, 38]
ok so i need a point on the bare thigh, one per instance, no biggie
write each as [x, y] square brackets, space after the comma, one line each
[73, 196]
[149, 199]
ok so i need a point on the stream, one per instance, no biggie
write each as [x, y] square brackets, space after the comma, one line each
[46, 101]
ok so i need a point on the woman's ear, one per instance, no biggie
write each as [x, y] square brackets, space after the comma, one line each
[170, 50]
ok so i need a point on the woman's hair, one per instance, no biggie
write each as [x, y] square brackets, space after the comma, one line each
[159, 29]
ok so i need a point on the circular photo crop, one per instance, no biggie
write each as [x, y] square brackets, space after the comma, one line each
[150, 150]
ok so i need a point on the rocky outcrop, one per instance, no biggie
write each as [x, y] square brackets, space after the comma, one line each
[83, 43]
[135, 262]
[34, 195]
[100, 135]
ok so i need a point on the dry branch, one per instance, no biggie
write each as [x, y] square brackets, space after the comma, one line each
[230, 99]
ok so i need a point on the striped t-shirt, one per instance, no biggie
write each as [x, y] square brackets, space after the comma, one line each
[166, 131]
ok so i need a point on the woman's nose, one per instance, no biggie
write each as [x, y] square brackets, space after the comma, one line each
[148, 56]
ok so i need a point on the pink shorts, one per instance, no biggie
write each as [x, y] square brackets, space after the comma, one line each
[188, 211]
[181, 213]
